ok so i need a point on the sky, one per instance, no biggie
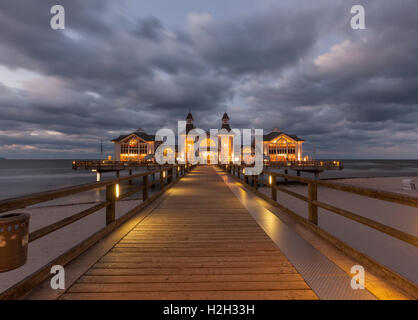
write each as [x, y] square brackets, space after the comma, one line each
[294, 65]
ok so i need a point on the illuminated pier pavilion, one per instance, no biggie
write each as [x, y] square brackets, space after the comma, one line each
[139, 146]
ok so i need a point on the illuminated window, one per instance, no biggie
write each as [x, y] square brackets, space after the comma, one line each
[143, 148]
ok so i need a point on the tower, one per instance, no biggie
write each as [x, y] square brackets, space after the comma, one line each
[225, 122]
[189, 122]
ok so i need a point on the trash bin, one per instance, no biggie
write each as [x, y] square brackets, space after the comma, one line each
[14, 236]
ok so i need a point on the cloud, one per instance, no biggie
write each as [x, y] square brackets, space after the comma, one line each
[300, 69]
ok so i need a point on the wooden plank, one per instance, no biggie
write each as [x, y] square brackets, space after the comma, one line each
[217, 264]
[191, 271]
[189, 286]
[190, 278]
[197, 295]
[128, 257]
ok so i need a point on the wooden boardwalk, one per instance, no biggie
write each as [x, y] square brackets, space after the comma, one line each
[198, 243]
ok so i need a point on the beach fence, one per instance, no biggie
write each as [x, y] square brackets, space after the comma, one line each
[168, 175]
[270, 180]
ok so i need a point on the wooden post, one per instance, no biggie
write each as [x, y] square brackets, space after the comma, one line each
[153, 180]
[312, 196]
[273, 188]
[170, 174]
[110, 208]
[177, 172]
[161, 179]
[117, 174]
[256, 182]
[285, 172]
[144, 188]
[130, 173]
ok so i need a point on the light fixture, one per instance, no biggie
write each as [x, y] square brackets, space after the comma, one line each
[117, 191]
[270, 180]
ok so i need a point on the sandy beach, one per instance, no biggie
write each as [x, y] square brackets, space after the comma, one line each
[397, 255]
[43, 250]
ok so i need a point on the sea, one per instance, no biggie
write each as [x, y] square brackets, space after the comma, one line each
[23, 177]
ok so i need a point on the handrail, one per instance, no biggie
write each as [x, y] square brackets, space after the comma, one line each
[368, 192]
[313, 203]
[35, 198]
[165, 181]
[25, 201]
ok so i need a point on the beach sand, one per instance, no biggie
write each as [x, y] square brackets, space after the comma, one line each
[45, 249]
[395, 254]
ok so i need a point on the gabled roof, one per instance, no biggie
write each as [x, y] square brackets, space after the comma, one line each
[140, 134]
[273, 135]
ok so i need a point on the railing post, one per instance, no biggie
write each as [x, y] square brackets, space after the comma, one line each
[312, 196]
[273, 188]
[177, 172]
[256, 182]
[153, 181]
[110, 207]
[161, 179]
[144, 188]
[169, 175]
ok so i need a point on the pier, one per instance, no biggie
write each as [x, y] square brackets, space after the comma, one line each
[310, 166]
[208, 233]
[103, 166]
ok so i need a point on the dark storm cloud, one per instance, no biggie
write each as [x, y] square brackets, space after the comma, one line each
[361, 93]
[254, 45]
[150, 28]
[304, 71]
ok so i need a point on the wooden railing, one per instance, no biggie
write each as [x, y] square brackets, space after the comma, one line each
[106, 164]
[308, 163]
[314, 203]
[252, 182]
[167, 176]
